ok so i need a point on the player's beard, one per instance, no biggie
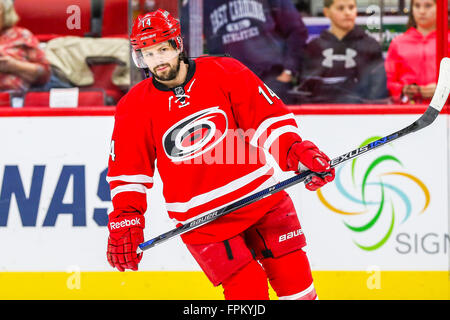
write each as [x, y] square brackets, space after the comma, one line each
[167, 75]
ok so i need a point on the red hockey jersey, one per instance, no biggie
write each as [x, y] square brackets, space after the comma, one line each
[206, 137]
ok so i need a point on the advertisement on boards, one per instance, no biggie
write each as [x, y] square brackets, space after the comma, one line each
[387, 209]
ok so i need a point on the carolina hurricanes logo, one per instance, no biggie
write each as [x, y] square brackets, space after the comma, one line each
[196, 134]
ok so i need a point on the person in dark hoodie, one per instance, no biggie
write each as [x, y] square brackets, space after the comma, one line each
[268, 36]
[344, 64]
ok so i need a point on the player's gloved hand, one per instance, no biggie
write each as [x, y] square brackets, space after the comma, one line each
[305, 155]
[126, 232]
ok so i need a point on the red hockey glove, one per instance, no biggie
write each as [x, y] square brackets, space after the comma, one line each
[306, 154]
[126, 232]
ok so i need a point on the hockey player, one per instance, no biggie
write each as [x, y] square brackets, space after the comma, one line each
[205, 121]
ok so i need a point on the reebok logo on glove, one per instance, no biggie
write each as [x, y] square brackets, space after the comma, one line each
[125, 223]
[125, 234]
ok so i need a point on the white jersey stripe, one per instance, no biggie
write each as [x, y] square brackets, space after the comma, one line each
[219, 192]
[266, 124]
[127, 188]
[138, 178]
[277, 133]
[269, 182]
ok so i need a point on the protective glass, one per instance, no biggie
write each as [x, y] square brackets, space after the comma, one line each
[152, 58]
[137, 59]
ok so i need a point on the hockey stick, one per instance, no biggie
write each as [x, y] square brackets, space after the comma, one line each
[436, 105]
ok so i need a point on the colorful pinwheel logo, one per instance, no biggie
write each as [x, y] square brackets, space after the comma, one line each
[375, 209]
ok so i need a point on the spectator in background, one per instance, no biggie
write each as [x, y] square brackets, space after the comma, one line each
[411, 58]
[22, 62]
[344, 64]
[268, 36]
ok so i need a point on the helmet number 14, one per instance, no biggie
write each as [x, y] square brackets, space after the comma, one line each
[145, 22]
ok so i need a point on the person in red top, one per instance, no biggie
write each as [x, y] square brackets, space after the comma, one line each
[212, 125]
[411, 60]
[22, 62]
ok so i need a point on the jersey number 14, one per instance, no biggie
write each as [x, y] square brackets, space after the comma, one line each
[265, 95]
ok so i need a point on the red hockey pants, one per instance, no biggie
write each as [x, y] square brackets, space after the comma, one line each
[270, 250]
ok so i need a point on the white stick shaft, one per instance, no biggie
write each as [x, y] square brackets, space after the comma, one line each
[443, 86]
